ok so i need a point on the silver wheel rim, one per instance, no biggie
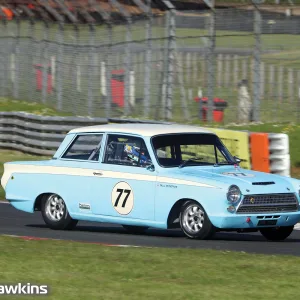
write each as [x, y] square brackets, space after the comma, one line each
[193, 219]
[55, 208]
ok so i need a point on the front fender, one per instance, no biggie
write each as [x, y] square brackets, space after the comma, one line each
[213, 200]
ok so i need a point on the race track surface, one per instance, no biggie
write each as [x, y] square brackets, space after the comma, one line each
[14, 222]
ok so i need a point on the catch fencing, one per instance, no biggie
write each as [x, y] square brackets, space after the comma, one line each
[158, 65]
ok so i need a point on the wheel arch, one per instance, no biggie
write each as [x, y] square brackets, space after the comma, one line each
[38, 201]
[175, 211]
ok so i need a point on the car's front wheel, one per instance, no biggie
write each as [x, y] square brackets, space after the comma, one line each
[277, 233]
[135, 229]
[55, 212]
[194, 221]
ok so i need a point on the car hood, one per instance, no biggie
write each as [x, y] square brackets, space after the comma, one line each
[250, 182]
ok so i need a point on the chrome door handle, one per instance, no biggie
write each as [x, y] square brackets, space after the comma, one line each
[97, 173]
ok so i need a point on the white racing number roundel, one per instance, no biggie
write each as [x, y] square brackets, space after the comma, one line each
[122, 198]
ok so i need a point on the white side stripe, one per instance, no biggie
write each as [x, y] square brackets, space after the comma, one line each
[181, 181]
[31, 169]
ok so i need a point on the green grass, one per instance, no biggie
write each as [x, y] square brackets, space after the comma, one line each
[9, 105]
[86, 271]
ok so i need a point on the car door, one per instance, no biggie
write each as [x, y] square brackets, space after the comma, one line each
[125, 182]
[78, 163]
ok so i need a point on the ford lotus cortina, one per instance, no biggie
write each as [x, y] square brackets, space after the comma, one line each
[145, 175]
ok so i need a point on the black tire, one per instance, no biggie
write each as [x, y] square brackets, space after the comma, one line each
[135, 229]
[277, 233]
[203, 228]
[64, 220]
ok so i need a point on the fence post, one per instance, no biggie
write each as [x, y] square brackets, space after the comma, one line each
[148, 57]
[17, 61]
[227, 72]
[291, 85]
[280, 83]
[188, 69]
[132, 89]
[60, 40]
[32, 48]
[235, 70]
[271, 81]
[211, 65]
[257, 61]
[107, 68]
[195, 68]
[244, 69]
[45, 63]
[5, 58]
[91, 69]
[171, 62]
[220, 69]
[183, 101]
[128, 67]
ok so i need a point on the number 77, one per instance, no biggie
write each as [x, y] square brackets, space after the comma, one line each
[120, 191]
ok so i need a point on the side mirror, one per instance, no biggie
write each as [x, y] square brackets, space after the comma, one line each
[150, 168]
[238, 160]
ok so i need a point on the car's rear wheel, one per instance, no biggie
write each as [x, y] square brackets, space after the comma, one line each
[135, 229]
[194, 221]
[277, 233]
[55, 212]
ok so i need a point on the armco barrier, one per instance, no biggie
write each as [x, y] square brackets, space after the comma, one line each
[43, 134]
[260, 152]
[280, 162]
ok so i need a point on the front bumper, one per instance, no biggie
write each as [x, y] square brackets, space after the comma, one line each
[242, 221]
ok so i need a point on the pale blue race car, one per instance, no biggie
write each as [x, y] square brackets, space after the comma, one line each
[145, 175]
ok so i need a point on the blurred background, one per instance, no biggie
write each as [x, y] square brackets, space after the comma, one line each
[184, 61]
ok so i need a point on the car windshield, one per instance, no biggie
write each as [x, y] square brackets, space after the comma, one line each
[181, 150]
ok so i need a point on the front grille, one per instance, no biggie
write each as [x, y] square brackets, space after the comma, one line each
[268, 203]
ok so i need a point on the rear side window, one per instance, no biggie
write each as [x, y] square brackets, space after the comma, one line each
[85, 147]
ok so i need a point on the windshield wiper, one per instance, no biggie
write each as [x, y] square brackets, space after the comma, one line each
[189, 160]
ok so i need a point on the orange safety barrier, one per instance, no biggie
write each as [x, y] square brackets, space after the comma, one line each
[259, 146]
[8, 13]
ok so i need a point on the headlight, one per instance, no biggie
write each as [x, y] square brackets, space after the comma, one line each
[234, 194]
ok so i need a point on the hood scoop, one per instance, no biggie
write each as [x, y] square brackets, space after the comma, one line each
[263, 183]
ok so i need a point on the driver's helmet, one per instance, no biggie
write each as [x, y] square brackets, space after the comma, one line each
[134, 154]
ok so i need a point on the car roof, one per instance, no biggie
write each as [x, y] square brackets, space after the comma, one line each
[142, 129]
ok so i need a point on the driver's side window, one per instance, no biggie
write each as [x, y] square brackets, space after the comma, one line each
[84, 147]
[126, 150]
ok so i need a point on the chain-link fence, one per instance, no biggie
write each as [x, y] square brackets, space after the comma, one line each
[226, 65]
